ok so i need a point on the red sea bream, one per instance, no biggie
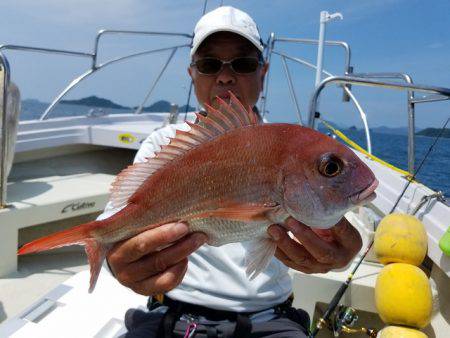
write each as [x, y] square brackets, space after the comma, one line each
[229, 177]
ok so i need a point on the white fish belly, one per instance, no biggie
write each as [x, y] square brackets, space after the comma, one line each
[223, 231]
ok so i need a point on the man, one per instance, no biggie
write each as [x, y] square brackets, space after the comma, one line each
[212, 292]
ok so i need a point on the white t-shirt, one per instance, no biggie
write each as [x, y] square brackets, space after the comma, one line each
[216, 275]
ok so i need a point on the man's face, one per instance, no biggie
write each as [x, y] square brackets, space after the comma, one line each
[227, 46]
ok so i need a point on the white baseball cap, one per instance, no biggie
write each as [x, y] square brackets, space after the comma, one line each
[226, 19]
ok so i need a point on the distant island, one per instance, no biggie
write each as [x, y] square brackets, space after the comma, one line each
[98, 102]
[163, 105]
[433, 132]
[94, 101]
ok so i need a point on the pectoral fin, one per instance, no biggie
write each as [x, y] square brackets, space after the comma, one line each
[258, 256]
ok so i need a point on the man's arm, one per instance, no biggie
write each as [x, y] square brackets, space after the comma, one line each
[316, 251]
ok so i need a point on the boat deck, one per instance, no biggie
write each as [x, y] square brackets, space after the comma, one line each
[53, 314]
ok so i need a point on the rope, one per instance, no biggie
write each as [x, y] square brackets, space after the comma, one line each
[356, 146]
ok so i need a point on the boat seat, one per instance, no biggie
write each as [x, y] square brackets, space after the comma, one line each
[46, 199]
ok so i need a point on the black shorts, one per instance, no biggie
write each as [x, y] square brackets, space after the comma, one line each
[145, 324]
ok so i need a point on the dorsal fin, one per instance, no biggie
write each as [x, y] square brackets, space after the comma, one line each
[228, 117]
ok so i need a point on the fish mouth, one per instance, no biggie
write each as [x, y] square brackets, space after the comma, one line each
[225, 95]
[366, 195]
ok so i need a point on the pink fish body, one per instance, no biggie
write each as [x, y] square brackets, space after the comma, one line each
[229, 177]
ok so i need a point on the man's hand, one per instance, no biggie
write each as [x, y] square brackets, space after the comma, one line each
[154, 261]
[316, 251]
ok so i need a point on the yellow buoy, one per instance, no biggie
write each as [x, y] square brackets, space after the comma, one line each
[400, 238]
[403, 295]
[400, 332]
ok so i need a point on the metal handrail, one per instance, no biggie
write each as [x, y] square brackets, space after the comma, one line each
[313, 114]
[46, 50]
[91, 71]
[93, 56]
[346, 91]
[114, 31]
[291, 89]
[411, 110]
[271, 45]
[269, 48]
[370, 83]
[141, 106]
[6, 77]
[342, 44]
[94, 67]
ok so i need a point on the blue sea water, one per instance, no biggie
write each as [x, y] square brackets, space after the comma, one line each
[435, 172]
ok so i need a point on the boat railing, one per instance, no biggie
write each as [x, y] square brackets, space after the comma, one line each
[348, 95]
[5, 74]
[270, 49]
[4, 84]
[410, 107]
[438, 94]
[348, 69]
[98, 66]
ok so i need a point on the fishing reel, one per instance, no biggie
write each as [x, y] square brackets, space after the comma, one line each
[343, 321]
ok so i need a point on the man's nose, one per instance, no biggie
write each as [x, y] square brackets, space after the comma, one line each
[226, 76]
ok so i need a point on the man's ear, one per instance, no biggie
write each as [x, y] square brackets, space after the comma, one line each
[190, 71]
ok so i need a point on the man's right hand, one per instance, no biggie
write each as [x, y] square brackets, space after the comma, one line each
[155, 260]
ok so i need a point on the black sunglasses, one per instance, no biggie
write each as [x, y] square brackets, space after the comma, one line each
[240, 65]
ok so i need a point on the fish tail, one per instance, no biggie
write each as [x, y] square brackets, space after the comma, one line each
[79, 235]
[74, 236]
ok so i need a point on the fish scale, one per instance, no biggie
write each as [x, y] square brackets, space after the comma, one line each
[223, 231]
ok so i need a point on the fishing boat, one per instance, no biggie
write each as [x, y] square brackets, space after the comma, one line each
[63, 167]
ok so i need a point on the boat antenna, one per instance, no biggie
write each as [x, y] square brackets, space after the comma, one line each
[321, 322]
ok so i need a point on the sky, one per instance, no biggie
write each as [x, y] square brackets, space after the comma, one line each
[406, 36]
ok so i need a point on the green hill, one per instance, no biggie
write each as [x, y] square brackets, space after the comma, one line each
[433, 132]
[164, 106]
[98, 102]
[94, 101]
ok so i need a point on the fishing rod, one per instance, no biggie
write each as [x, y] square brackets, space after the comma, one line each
[322, 322]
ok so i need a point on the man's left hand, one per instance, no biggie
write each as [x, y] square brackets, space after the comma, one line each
[315, 251]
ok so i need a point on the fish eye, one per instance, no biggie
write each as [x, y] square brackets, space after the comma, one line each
[330, 165]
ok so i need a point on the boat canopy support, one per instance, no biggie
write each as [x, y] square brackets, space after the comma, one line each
[5, 74]
[4, 84]
[347, 92]
[270, 46]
